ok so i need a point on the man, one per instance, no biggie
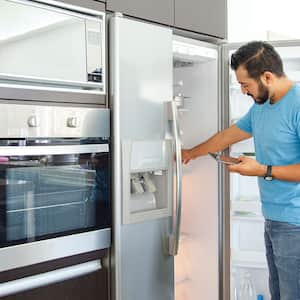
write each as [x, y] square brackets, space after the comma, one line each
[274, 123]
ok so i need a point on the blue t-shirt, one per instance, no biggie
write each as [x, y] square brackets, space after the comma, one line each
[276, 132]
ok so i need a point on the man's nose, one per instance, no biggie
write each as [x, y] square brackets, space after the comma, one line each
[244, 91]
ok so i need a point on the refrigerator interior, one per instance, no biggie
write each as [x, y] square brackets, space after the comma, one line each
[196, 77]
[247, 223]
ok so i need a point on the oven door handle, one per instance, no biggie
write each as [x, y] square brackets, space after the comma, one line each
[39, 280]
[52, 150]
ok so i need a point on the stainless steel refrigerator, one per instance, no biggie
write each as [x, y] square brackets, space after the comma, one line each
[164, 88]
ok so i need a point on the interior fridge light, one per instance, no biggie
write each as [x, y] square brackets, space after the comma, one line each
[194, 50]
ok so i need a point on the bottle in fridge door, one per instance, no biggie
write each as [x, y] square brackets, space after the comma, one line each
[246, 289]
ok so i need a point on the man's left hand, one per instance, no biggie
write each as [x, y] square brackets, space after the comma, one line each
[248, 167]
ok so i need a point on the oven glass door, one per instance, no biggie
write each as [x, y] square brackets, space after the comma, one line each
[51, 191]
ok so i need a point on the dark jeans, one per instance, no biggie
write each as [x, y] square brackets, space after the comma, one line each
[283, 255]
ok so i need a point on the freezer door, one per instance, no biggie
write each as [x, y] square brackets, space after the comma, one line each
[140, 87]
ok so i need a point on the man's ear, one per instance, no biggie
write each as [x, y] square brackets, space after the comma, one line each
[267, 78]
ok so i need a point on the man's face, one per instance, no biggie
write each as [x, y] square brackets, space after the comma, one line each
[254, 88]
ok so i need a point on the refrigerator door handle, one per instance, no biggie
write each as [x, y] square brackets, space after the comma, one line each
[175, 236]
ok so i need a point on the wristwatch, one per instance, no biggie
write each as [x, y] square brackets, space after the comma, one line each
[268, 176]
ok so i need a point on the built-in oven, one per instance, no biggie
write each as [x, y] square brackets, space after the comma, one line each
[54, 183]
[53, 51]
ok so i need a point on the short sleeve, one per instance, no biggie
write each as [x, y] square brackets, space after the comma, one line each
[245, 123]
[297, 121]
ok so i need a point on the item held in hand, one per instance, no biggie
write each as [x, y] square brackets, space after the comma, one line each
[228, 160]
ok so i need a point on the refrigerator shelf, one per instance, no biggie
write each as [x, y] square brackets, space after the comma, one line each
[240, 208]
[248, 259]
[249, 264]
[249, 217]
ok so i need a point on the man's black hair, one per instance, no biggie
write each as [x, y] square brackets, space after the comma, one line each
[257, 57]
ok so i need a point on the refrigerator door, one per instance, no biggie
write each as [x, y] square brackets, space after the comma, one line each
[140, 87]
[243, 222]
[197, 82]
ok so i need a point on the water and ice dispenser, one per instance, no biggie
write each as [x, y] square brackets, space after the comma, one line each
[147, 179]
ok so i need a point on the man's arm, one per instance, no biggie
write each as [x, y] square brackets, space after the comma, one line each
[217, 142]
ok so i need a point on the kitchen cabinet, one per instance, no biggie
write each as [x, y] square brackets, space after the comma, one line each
[154, 10]
[91, 4]
[207, 17]
[92, 286]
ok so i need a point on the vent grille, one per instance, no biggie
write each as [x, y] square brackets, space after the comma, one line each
[94, 38]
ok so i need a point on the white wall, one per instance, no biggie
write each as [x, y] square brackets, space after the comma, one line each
[263, 20]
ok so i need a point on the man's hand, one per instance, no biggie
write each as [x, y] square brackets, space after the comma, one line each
[248, 167]
[186, 156]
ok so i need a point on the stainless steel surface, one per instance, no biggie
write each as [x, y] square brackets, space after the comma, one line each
[35, 281]
[148, 270]
[223, 178]
[141, 268]
[175, 236]
[50, 95]
[53, 82]
[115, 105]
[27, 121]
[53, 150]
[41, 251]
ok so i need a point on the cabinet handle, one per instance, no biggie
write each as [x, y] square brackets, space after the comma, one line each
[47, 278]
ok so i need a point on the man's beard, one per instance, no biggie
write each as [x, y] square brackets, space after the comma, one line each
[263, 94]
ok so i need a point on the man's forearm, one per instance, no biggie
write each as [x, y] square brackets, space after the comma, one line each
[250, 167]
[287, 173]
[217, 142]
[220, 141]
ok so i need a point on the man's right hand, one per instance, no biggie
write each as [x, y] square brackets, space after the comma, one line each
[186, 156]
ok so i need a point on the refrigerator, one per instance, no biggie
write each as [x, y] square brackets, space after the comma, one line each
[180, 232]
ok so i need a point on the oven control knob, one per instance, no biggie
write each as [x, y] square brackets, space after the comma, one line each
[33, 121]
[73, 122]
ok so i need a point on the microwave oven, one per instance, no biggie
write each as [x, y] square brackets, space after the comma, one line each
[51, 46]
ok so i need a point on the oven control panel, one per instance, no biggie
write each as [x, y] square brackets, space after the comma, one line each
[25, 121]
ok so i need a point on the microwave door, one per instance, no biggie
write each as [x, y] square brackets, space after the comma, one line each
[57, 49]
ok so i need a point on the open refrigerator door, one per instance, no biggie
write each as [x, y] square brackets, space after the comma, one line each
[196, 92]
[247, 251]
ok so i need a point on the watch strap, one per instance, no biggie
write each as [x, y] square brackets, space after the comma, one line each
[269, 172]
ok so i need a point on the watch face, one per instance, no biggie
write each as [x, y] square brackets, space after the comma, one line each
[269, 178]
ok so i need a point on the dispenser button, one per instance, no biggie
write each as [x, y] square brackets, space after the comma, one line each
[33, 121]
[73, 122]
